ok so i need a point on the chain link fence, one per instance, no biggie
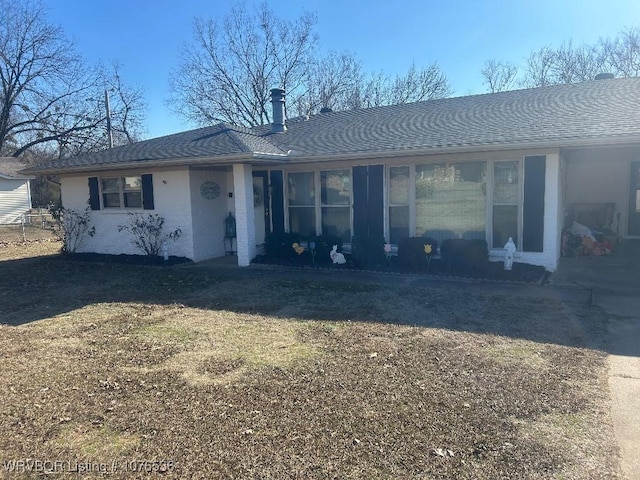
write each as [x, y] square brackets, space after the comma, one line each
[33, 226]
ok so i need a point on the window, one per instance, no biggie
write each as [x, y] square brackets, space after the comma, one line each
[111, 192]
[122, 192]
[335, 187]
[302, 200]
[398, 203]
[451, 200]
[132, 192]
[506, 202]
[331, 213]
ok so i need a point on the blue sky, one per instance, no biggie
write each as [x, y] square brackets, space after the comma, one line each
[145, 36]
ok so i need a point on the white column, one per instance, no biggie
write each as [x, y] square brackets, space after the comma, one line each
[553, 212]
[245, 217]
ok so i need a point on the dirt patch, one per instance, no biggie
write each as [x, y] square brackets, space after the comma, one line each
[223, 377]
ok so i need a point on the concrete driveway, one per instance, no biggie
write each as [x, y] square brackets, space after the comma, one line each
[614, 281]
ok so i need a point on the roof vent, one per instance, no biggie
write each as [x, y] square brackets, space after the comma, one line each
[604, 76]
[326, 110]
[277, 104]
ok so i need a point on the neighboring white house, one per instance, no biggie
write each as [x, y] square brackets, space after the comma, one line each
[510, 164]
[15, 191]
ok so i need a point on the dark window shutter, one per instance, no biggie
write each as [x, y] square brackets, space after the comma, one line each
[533, 208]
[277, 201]
[94, 193]
[360, 195]
[375, 207]
[147, 191]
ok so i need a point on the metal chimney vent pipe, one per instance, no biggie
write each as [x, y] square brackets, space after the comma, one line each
[277, 103]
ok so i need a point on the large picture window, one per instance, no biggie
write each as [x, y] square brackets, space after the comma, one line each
[398, 203]
[302, 201]
[507, 201]
[451, 200]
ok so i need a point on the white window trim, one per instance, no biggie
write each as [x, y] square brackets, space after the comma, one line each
[318, 197]
[490, 202]
[410, 199]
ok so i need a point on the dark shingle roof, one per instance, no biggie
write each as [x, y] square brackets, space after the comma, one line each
[9, 168]
[554, 116]
[202, 143]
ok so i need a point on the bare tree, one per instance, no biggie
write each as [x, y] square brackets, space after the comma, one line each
[568, 63]
[576, 64]
[127, 107]
[44, 85]
[539, 71]
[330, 83]
[565, 64]
[227, 74]
[418, 85]
[622, 54]
[499, 76]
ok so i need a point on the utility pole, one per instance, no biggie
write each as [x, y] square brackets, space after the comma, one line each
[106, 102]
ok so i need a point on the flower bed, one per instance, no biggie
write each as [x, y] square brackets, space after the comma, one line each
[493, 271]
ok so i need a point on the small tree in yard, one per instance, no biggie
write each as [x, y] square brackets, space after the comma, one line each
[72, 227]
[148, 232]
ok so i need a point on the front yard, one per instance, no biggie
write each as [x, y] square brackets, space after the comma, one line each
[181, 372]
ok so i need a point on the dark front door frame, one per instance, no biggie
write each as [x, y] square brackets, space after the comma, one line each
[633, 225]
[264, 175]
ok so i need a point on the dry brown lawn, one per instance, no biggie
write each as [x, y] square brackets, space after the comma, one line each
[189, 373]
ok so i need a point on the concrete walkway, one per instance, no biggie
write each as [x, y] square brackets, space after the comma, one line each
[615, 284]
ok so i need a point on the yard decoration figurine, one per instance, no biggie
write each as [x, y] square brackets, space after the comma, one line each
[298, 248]
[428, 250]
[337, 257]
[509, 251]
[387, 253]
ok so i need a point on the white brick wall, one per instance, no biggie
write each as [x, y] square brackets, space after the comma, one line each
[208, 215]
[172, 200]
[245, 221]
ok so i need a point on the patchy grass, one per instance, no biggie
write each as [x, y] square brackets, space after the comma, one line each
[38, 243]
[259, 377]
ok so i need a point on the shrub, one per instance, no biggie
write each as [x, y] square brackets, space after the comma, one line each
[148, 232]
[278, 245]
[459, 253]
[72, 227]
[411, 251]
[368, 251]
[478, 253]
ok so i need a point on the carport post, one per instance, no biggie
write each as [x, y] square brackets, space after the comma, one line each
[245, 217]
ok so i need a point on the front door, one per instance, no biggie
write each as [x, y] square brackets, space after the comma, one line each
[261, 205]
[634, 200]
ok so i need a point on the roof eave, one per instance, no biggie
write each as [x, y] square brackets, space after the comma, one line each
[253, 158]
[17, 177]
